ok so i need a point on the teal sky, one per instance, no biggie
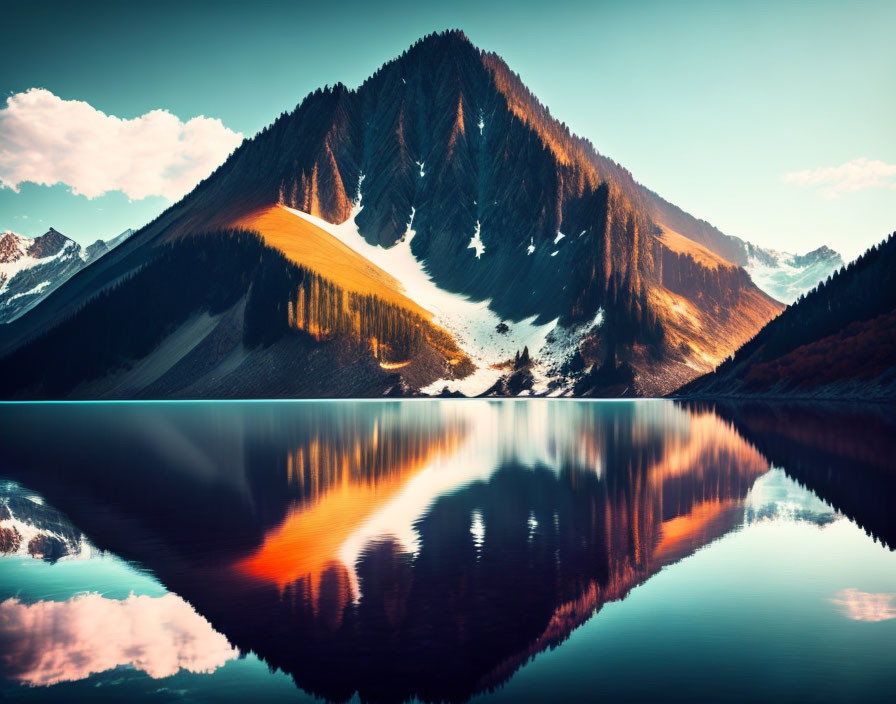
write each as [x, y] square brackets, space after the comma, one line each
[708, 103]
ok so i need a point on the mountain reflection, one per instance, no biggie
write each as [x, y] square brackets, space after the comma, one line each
[403, 549]
[844, 453]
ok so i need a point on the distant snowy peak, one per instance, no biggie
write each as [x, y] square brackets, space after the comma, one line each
[822, 254]
[18, 253]
[786, 276]
[32, 267]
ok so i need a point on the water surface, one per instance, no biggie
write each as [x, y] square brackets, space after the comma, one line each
[446, 550]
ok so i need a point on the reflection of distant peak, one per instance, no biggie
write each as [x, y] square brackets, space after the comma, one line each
[841, 453]
[777, 496]
[29, 527]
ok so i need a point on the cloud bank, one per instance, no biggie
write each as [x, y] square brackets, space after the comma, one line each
[856, 175]
[47, 140]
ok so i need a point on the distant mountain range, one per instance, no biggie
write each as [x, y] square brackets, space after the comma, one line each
[32, 268]
[785, 276]
[415, 235]
[838, 341]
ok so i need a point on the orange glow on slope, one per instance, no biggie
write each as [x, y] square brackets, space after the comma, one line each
[313, 248]
[682, 245]
[709, 336]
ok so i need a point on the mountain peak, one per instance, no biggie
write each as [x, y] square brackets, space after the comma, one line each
[451, 35]
[47, 244]
[823, 252]
[9, 247]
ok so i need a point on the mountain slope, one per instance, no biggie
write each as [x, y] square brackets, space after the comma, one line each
[783, 276]
[31, 268]
[837, 341]
[508, 217]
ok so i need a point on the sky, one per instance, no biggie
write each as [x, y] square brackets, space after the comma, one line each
[773, 120]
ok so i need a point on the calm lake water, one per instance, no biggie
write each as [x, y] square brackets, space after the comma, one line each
[515, 551]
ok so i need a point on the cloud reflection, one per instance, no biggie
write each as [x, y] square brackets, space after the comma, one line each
[863, 606]
[60, 641]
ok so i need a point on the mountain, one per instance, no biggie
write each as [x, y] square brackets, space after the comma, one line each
[415, 234]
[785, 276]
[837, 341]
[31, 268]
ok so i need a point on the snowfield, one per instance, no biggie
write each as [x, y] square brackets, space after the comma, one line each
[40, 288]
[472, 323]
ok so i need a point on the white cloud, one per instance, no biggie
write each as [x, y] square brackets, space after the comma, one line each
[47, 140]
[856, 175]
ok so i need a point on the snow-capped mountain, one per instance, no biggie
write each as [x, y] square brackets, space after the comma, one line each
[31, 268]
[786, 276]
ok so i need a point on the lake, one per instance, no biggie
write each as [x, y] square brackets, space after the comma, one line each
[392, 551]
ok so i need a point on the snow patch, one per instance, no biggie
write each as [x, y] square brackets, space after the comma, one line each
[559, 237]
[476, 242]
[531, 247]
[33, 292]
